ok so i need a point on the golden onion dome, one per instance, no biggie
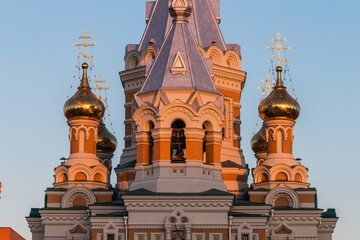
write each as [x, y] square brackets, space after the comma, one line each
[107, 142]
[279, 104]
[84, 103]
[258, 141]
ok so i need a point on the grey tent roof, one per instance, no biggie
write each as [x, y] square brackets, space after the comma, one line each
[202, 23]
[197, 76]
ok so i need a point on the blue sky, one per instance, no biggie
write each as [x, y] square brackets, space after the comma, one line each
[37, 62]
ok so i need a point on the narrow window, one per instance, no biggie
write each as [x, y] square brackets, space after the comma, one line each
[178, 141]
[280, 141]
[81, 141]
[111, 237]
[245, 237]
[151, 143]
[204, 144]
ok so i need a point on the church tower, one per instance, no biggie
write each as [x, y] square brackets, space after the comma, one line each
[179, 117]
[220, 63]
[83, 179]
[280, 180]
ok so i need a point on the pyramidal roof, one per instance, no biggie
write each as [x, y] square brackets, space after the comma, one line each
[179, 64]
[202, 22]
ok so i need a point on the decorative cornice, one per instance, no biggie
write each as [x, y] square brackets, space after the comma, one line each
[305, 220]
[172, 204]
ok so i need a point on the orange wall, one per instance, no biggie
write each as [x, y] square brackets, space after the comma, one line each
[9, 234]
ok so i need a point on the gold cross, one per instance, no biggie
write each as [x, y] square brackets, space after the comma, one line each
[99, 87]
[267, 87]
[278, 48]
[85, 45]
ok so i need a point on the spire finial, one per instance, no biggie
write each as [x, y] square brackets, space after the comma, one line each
[279, 82]
[99, 87]
[266, 90]
[84, 81]
[278, 48]
[180, 10]
[85, 45]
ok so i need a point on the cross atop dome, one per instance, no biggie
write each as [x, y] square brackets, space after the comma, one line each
[100, 87]
[278, 48]
[85, 45]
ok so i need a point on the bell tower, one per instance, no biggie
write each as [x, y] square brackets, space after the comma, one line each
[179, 117]
[223, 63]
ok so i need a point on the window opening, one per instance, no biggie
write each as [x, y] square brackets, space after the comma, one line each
[178, 141]
[151, 143]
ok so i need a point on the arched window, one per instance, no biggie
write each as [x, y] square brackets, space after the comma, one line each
[178, 141]
[280, 141]
[82, 141]
[281, 177]
[98, 177]
[204, 144]
[151, 143]
[80, 176]
[264, 178]
[63, 177]
[298, 177]
[208, 128]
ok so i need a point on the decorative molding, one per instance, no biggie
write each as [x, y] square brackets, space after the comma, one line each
[304, 220]
[178, 66]
[281, 127]
[282, 189]
[172, 204]
[282, 195]
[86, 129]
[72, 193]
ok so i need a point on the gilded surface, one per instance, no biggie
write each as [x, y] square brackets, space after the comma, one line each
[279, 104]
[84, 103]
[258, 141]
[107, 142]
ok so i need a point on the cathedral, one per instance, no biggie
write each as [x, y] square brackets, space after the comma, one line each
[182, 174]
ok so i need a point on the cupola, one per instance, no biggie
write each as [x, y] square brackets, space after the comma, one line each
[279, 105]
[258, 141]
[107, 142]
[84, 103]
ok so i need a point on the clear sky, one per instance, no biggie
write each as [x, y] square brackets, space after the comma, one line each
[37, 64]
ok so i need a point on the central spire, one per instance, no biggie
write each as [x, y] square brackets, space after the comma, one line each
[179, 65]
[202, 22]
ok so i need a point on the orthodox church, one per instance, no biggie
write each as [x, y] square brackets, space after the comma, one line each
[182, 174]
